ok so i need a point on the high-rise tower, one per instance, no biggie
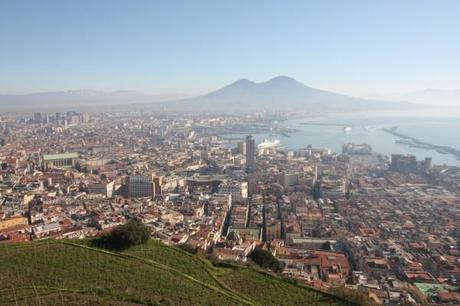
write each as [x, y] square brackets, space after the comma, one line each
[250, 154]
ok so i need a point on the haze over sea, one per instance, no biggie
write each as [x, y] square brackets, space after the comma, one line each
[436, 126]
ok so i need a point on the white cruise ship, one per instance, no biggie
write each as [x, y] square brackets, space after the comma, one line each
[269, 144]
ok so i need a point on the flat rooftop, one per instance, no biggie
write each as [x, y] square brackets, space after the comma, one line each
[60, 156]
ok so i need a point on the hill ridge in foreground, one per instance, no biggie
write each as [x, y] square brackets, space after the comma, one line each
[72, 273]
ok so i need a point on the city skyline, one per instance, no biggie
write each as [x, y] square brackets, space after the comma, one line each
[229, 152]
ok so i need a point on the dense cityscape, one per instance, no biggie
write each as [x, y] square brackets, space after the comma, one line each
[387, 227]
[229, 153]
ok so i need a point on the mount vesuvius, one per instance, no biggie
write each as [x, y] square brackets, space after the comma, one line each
[282, 93]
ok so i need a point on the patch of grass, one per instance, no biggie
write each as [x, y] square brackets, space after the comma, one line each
[75, 273]
[270, 290]
[174, 258]
[28, 275]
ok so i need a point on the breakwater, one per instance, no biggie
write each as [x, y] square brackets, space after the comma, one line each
[417, 143]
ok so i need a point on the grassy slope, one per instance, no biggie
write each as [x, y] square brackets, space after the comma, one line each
[64, 273]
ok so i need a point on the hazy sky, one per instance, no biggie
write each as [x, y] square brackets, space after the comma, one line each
[354, 47]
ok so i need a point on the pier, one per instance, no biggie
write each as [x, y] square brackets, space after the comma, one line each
[417, 143]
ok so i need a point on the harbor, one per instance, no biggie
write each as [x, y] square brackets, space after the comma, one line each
[417, 143]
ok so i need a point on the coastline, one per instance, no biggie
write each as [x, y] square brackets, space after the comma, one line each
[417, 143]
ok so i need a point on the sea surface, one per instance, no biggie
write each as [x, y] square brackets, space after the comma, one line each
[436, 126]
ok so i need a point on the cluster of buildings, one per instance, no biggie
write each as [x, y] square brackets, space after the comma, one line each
[388, 229]
[59, 119]
[409, 164]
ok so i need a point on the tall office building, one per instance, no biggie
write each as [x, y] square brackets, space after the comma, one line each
[137, 186]
[409, 164]
[250, 154]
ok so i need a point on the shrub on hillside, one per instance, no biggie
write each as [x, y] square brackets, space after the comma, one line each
[124, 236]
[266, 260]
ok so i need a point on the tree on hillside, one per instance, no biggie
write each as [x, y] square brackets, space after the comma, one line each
[124, 236]
[266, 260]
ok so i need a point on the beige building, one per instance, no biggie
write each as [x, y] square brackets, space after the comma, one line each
[61, 160]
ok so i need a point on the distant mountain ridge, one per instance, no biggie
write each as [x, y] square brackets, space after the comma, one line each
[73, 98]
[281, 93]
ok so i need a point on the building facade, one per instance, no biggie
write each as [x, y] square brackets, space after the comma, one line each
[250, 154]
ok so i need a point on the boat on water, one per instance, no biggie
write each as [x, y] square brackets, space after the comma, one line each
[269, 144]
[347, 129]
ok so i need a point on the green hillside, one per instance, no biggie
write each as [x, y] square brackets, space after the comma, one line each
[69, 273]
